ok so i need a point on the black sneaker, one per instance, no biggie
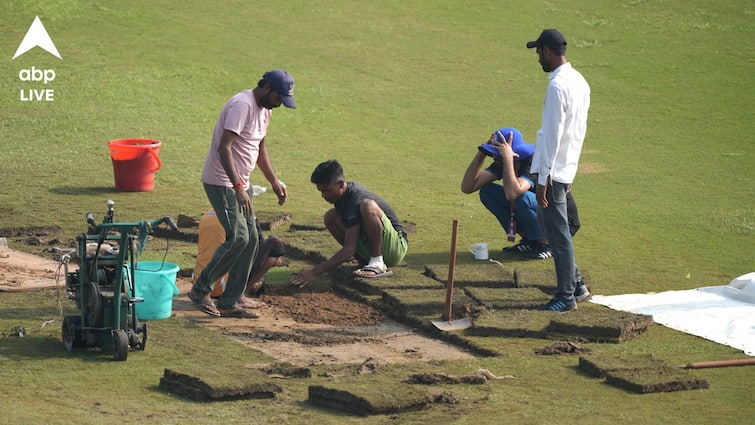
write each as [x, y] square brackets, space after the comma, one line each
[539, 252]
[582, 293]
[523, 246]
[557, 304]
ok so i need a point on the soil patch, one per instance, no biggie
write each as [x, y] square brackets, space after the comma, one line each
[307, 328]
[20, 271]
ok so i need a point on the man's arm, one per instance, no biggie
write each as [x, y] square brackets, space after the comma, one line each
[264, 164]
[475, 178]
[552, 129]
[344, 254]
[513, 186]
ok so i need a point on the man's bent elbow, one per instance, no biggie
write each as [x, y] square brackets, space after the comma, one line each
[512, 196]
[467, 189]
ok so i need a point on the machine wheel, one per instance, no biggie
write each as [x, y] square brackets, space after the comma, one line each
[93, 304]
[143, 330]
[120, 346]
[71, 325]
[134, 329]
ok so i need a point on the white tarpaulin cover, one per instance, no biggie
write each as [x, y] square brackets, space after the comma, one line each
[724, 314]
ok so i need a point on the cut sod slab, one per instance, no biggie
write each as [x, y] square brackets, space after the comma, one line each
[511, 323]
[367, 400]
[218, 388]
[507, 298]
[599, 325]
[479, 274]
[640, 374]
[663, 379]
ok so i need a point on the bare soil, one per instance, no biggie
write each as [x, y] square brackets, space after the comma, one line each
[20, 271]
[299, 327]
[313, 328]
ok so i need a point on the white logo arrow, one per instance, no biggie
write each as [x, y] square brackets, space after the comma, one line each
[37, 36]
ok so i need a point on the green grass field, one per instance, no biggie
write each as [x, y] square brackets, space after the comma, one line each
[401, 93]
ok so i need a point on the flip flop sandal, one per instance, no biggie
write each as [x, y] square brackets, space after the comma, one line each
[206, 307]
[239, 313]
[372, 272]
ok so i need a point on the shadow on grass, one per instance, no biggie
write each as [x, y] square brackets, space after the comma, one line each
[81, 190]
[40, 343]
[47, 348]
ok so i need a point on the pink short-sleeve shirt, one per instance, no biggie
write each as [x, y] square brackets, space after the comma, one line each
[243, 116]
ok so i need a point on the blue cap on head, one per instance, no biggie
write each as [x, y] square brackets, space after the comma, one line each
[518, 145]
[282, 82]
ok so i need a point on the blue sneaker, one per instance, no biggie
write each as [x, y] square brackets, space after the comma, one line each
[581, 293]
[557, 304]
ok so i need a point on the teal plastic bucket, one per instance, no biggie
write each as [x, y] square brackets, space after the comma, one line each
[155, 281]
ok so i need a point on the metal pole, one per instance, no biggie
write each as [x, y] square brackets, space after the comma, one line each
[719, 363]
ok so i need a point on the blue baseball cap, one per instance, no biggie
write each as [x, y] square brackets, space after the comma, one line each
[518, 145]
[283, 83]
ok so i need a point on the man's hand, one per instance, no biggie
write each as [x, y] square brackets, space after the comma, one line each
[280, 190]
[245, 202]
[541, 192]
[304, 278]
[504, 146]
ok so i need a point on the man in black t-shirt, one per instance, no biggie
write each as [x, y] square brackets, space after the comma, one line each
[362, 222]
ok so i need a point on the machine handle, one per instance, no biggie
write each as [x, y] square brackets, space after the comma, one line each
[171, 224]
[168, 220]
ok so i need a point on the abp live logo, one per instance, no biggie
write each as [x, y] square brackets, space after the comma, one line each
[37, 36]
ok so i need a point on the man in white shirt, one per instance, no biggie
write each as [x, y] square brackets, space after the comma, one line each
[559, 145]
[238, 145]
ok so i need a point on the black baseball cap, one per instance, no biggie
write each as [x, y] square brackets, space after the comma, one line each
[550, 38]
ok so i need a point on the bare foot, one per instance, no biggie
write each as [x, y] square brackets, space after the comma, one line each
[245, 302]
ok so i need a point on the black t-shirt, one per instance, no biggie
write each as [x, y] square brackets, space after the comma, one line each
[348, 207]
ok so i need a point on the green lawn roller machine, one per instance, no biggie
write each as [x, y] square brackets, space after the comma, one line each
[104, 286]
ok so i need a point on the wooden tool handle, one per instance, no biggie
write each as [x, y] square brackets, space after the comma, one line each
[719, 363]
[451, 266]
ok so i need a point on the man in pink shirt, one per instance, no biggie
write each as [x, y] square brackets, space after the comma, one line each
[238, 145]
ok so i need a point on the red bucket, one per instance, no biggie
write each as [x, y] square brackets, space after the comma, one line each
[134, 163]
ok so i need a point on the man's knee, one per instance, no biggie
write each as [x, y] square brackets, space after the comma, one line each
[372, 214]
[492, 194]
[330, 217]
[240, 240]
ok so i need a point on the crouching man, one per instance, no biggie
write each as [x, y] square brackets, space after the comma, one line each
[363, 223]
